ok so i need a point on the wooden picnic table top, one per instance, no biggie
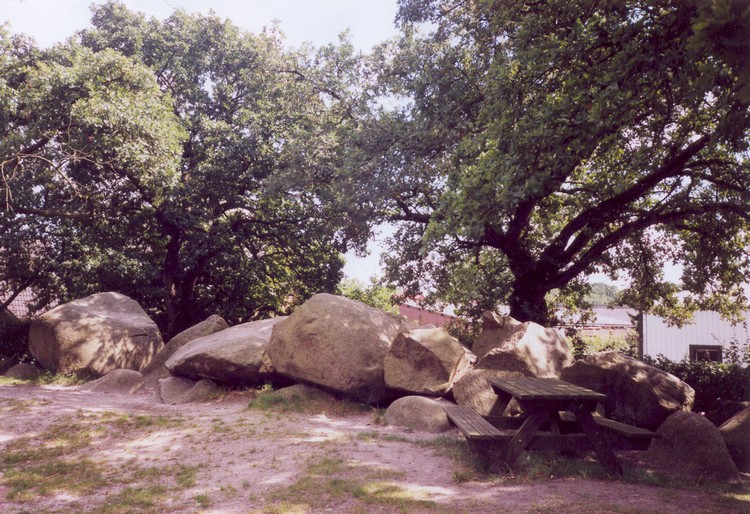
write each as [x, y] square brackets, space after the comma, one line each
[533, 388]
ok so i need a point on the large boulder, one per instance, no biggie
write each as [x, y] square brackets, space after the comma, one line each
[736, 433]
[236, 355]
[474, 391]
[691, 446]
[117, 381]
[95, 335]
[531, 349]
[336, 343]
[637, 394]
[425, 361]
[156, 369]
[418, 413]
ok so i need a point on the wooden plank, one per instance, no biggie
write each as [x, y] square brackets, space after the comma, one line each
[603, 452]
[612, 425]
[532, 388]
[524, 436]
[471, 423]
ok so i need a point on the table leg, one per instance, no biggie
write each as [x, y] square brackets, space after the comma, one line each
[524, 436]
[594, 433]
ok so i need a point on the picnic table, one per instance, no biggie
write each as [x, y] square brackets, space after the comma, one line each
[542, 400]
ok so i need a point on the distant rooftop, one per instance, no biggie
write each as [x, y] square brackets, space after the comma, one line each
[18, 306]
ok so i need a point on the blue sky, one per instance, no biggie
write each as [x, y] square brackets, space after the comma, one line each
[316, 21]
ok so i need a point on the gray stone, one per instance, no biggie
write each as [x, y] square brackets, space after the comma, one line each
[235, 355]
[117, 381]
[305, 393]
[637, 394]
[418, 413]
[691, 446]
[156, 369]
[337, 343]
[94, 335]
[171, 389]
[474, 391]
[425, 361]
[736, 433]
[177, 390]
[24, 371]
[528, 348]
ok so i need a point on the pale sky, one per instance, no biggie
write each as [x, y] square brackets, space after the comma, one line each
[316, 21]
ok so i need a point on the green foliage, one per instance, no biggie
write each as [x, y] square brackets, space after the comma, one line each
[14, 339]
[375, 294]
[602, 295]
[183, 162]
[533, 144]
[713, 382]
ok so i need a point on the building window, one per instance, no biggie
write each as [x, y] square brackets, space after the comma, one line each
[703, 352]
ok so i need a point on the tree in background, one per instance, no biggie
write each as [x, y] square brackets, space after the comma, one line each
[375, 294]
[184, 163]
[536, 143]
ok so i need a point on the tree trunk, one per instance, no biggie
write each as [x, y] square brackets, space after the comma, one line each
[528, 303]
[170, 271]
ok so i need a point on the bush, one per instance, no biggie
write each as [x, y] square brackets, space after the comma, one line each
[713, 382]
[14, 340]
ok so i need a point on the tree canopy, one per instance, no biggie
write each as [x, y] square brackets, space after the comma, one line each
[183, 162]
[534, 144]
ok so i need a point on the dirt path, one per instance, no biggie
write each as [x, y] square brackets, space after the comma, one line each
[125, 453]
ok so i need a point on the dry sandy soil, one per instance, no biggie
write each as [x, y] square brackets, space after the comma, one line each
[130, 454]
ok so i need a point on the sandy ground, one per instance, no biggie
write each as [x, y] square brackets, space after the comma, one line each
[248, 460]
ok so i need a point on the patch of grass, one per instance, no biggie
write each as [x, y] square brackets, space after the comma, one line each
[34, 478]
[127, 422]
[202, 500]
[269, 400]
[468, 465]
[330, 482]
[134, 499]
[186, 476]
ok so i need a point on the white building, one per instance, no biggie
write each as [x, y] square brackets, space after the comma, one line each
[706, 338]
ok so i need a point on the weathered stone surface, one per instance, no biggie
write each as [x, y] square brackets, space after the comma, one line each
[637, 394]
[336, 343]
[725, 409]
[171, 389]
[418, 413]
[203, 391]
[24, 371]
[424, 361]
[305, 393]
[736, 433]
[177, 390]
[6, 364]
[528, 348]
[156, 369]
[118, 381]
[235, 355]
[691, 446]
[474, 391]
[95, 335]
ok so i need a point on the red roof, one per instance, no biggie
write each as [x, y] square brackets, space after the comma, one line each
[18, 306]
[424, 316]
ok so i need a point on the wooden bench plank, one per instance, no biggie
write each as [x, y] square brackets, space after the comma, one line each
[474, 426]
[618, 427]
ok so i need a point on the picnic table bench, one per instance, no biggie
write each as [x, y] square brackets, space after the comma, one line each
[543, 399]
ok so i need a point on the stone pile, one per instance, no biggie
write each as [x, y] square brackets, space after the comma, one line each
[351, 350]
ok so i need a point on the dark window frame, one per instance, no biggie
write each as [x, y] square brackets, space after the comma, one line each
[698, 352]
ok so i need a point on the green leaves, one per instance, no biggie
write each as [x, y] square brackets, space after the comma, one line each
[561, 135]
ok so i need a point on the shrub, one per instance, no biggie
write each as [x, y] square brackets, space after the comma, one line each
[14, 340]
[713, 382]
